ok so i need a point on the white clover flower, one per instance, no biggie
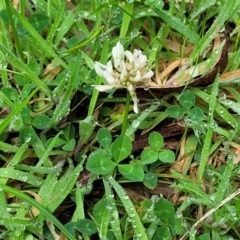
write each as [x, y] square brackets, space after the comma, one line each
[125, 70]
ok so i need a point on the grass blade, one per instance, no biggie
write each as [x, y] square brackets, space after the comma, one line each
[130, 209]
[43, 210]
[179, 25]
[128, 10]
[223, 187]
[208, 138]
[44, 45]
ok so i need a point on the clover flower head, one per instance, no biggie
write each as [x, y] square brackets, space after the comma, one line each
[124, 70]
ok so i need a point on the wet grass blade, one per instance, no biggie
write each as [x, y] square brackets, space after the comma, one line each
[42, 209]
[43, 44]
[128, 10]
[179, 25]
[130, 209]
[208, 138]
[223, 187]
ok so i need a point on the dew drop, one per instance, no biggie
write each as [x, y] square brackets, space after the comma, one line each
[210, 172]
[131, 156]
[109, 207]
[135, 123]
[115, 14]
[134, 33]
[178, 214]
[24, 178]
[155, 198]
[212, 197]
[156, 102]
[125, 197]
[111, 195]
[17, 233]
[132, 215]
[138, 235]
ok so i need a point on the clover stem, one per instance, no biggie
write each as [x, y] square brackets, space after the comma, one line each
[125, 117]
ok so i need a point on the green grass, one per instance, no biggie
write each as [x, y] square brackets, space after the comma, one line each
[79, 164]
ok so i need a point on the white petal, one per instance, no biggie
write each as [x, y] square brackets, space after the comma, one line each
[148, 75]
[137, 77]
[129, 56]
[110, 79]
[99, 68]
[118, 51]
[142, 59]
[133, 95]
[109, 67]
[123, 73]
[114, 53]
[103, 88]
[120, 48]
[117, 63]
[136, 53]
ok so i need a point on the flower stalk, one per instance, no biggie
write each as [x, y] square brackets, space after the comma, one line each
[125, 117]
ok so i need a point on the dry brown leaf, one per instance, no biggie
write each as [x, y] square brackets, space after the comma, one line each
[193, 171]
[52, 70]
[34, 210]
[230, 75]
[162, 77]
[177, 47]
[236, 151]
[200, 75]
[136, 194]
[51, 228]
[185, 75]
[176, 198]
[179, 166]
[184, 160]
